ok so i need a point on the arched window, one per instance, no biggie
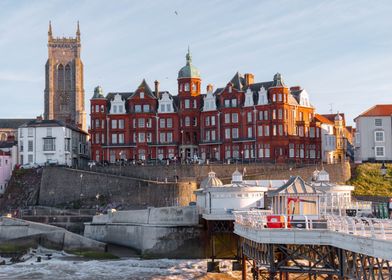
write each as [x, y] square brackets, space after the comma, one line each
[187, 121]
[60, 77]
[186, 87]
[194, 87]
[68, 77]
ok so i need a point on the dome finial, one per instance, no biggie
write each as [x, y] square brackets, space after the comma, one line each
[188, 57]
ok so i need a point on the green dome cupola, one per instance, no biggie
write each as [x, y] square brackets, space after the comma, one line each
[188, 71]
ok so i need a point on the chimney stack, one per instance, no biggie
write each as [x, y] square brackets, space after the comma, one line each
[210, 88]
[39, 118]
[249, 79]
[157, 89]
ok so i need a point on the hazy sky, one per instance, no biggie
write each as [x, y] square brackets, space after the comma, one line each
[340, 51]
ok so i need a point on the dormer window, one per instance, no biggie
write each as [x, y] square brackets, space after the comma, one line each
[186, 87]
[117, 105]
[142, 95]
[230, 89]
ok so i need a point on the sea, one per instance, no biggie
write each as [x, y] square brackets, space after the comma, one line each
[63, 266]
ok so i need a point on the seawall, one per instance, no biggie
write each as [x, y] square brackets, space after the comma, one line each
[338, 172]
[49, 236]
[169, 232]
[63, 185]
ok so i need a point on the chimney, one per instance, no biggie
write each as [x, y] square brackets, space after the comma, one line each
[157, 89]
[39, 118]
[210, 88]
[249, 79]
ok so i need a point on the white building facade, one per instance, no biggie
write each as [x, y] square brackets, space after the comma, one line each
[5, 170]
[373, 137]
[52, 142]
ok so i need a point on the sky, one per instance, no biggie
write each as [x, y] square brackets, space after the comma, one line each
[339, 51]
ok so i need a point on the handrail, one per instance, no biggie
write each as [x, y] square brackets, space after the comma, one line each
[365, 227]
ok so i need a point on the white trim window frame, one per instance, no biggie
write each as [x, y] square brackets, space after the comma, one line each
[377, 149]
[377, 138]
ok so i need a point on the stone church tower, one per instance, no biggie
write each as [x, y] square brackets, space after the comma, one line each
[64, 92]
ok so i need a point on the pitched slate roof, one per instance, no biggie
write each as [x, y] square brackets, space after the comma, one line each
[379, 110]
[295, 186]
[51, 123]
[323, 119]
[146, 89]
[7, 144]
[13, 123]
[238, 81]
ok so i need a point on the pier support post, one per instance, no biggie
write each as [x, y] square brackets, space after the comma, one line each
[243, 267]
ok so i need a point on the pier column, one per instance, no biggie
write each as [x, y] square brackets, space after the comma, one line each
[243, 267]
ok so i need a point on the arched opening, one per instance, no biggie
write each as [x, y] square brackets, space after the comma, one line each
[68, 77]
[60, 77]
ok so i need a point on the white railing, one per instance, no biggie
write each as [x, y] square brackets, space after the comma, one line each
[366, 227]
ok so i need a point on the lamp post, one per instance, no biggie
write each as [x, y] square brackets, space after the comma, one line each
[242, 155]
[81, 194]
[157, 139]
[182, 145]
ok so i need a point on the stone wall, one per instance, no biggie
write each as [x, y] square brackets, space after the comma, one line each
[338, 172]
[63, 185]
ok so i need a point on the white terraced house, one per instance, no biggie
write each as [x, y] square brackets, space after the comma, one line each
[373, 137]
[52, 142]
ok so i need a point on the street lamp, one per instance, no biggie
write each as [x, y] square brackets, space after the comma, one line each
[157, 139]
[182, 145]
[242, 155]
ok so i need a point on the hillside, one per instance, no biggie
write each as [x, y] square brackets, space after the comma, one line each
[368, 181]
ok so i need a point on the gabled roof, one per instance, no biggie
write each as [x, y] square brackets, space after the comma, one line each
[331, 117]
[295, 186]
[13, 123]
[146, 88]
[323, 119]
[238, 81]
[380, 110]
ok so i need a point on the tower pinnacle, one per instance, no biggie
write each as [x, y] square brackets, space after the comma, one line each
[50, 29]
[78, 31]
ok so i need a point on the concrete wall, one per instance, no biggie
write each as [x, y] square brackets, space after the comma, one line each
[63, 185]
[338, 172]
[59, 238]
[171, 232]
[152, 216]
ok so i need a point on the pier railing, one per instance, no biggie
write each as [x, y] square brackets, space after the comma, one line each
[365, 227]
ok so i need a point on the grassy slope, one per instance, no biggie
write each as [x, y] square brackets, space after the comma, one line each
[368, 181]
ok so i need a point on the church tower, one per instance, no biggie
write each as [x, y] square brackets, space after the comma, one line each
[64, 92]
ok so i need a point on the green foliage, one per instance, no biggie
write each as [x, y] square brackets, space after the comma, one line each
[368, 180]
[12, 248]
[95, 255]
